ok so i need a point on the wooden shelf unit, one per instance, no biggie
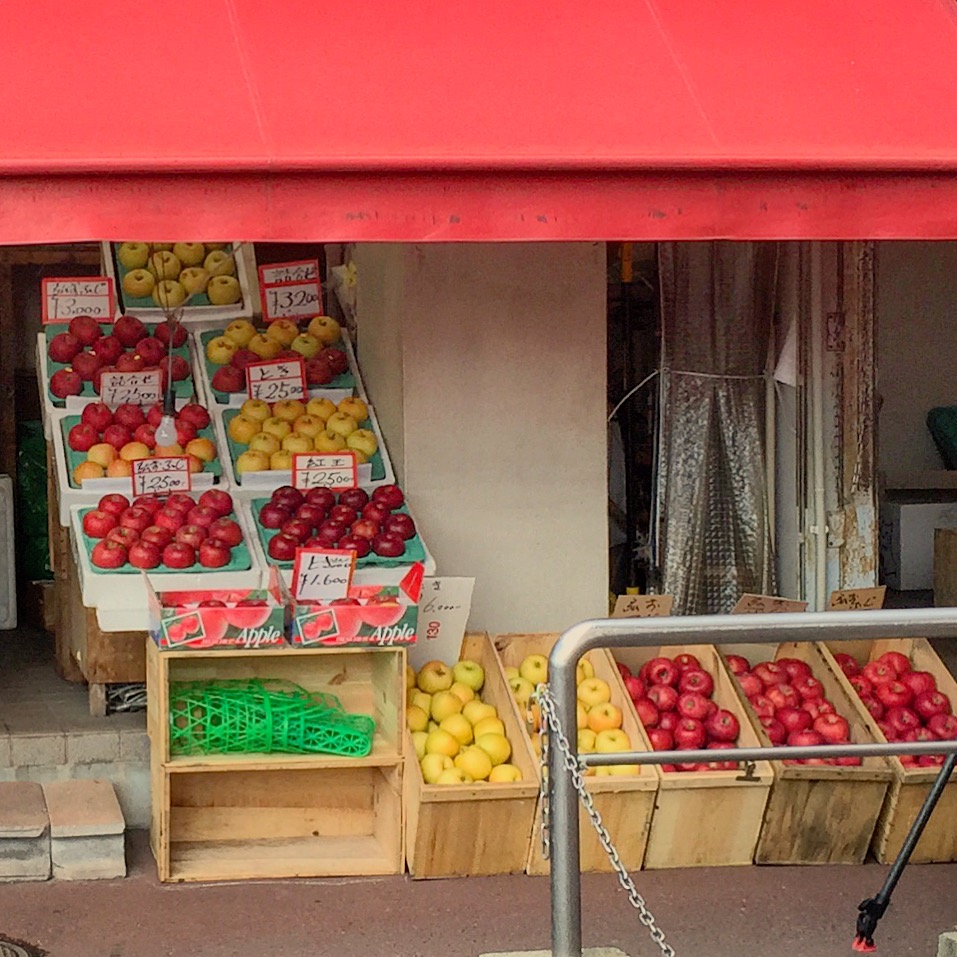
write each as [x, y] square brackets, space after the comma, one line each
[256, 816]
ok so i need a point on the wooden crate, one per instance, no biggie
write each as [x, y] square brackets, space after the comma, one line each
[480, 829]
[706, 818]
[909, 786]
[242, 816]
[626, 804]
[817, 815]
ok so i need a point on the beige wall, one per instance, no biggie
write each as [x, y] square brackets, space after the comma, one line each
[486, 364]
[916, 310]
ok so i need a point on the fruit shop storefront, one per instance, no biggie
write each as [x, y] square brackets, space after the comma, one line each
[477, 221]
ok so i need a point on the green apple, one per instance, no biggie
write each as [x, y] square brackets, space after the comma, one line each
[164, 265]
[169, 294]
[194, 279]
[326, 441]
[223, 290]
[341, 424]
[133, 255]
[220, 263]
[305, 345]
[264, 442]
[469, 673]
[296, 442]
[522, 689]
[534, 668]
[220, 350]
[139, 283]
[444, 705]
[362, 440]
[434, 676]
[189, 254]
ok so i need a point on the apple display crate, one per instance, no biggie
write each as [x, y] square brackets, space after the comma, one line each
[462, 830]
[258, 816]
[706, 818]
[909, 786]
[817, 814]
[198, 316]
[8, 575]
[123, 599]
[626, 803]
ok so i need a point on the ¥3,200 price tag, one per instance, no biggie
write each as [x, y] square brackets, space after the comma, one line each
[320, 574]
[766, 604]
[134, 388]
[161, 475]
[290, 290]
[276, 380]
[65, 299]
[335, 470]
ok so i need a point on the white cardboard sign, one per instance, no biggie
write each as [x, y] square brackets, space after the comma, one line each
[444, 607]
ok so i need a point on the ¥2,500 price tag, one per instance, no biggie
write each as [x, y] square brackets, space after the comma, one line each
[65, 299]
[134, 388]
[161, 475]
[320, 574]
[335, 470]
[290, 290]
[643, 606]
[766, 604]
[857, 599]
[276, 380]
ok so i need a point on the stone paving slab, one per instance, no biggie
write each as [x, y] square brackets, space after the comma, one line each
[23, 813]
[83, 809]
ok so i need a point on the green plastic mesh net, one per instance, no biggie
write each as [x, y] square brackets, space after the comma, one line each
[263, 716]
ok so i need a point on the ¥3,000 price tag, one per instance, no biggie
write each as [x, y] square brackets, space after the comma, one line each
[134, 388]
[290, 290]
[276, 380]
[766, 604]
[335, 470]
[857, 599]
[64, 299]
[643, 606]
[320, 574]
[161, 475]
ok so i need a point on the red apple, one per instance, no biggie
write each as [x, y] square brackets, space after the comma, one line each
[795, 668]
[242, 358]
[848, 761]
[929, 704]
[227, 531]
[228, 379]
[356, 543]
[151, 349]
[181, 501]
[690, 734]
[894, 694]
[117, 435]
[171, 329]
[695, 680]
[660, 671]
[129, 330]
[82, 437]
[918, 681]
[195, 414]
[686, 662]
[775, 731]
[169, 518]
[663, 697]
[388, 546]
[879, 673]
[874, 707]
[763, 706]
[185, 432]
[832, 727]
[202, 515]
[132, 416]
[343, 513]
[297, 529]
[155, 414]
[804, 739]
[902, 720]
[375, 511]
[356, 498]
[178, 555]
[389, 495]
[108, 555]
[623, 670]
[98, 415]
[770, 673]
[157, 535]
[145, 554]
[337, 359]
[192, 535]
[750, 683]
[400, 524]
[330, 532]
[86, 329]
[365, 528]
[98, 377]
[723, 726]
[64, 347]
[114, 502]
[146, 434]
[219, 501]
[668, 720]
[109, 350]
[660, 739]
[692, 705]
[314, 515]
[783, 696]
[794, 719]
[323, 497]
[99, 523]
[139, 519]
[214, 553]
[273, 516]
[318, 371]
[894, 659]
[123, 535]
[86, 365]
[288, 497]
[282, 547]
[176, 366]
[648, 712]
[847, 663]
[809, 688]
[862, 685]
[943, 725]
[737, 664]
[65, 382]
[635, 687]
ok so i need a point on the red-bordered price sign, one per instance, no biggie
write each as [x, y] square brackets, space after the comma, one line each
[162, 475]
[335, 470]
[133, 388]
[290, 290]
[276, 380]
[321, 574]
[65, 299]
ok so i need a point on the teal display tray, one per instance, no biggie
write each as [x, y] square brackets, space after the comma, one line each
[414, 548]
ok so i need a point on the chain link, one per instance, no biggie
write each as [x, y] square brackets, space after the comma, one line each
[551, 726]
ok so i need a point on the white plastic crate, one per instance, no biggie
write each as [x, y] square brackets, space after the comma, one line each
[8, 574]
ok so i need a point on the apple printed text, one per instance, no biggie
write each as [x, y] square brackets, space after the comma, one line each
[131, 388]
[276, 381]
[161, 475]
[290, 290]
[332, 470]
[322, 574]
[64, 299]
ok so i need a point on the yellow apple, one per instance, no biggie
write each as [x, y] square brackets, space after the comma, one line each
[416, 719]
[476, 710]
[361, 457]
[264, 442]
[223, 290]
[469, 673]
[454, 776]
[276, 426]
[602, 717]
[364, 441]
[252, 462]
[534, 668]
[256, 409]
[243, 427]
[189, 254]
[133, 255]
[341, 424]
[463, 692]
[325, 329]
[458, 726]
[593, 691]
[355, 407]
[134, 451]
[584, 669]
[504, 774]
[441, 742]
[306, 345]
[202, 448]
[418, 742]
[586, 740]
[496, 746]
[444, 703]
[475, 762]
[434, 676]
[169, 294]
[511, 672]
[160, 247]
[433, 765]
[326, 441]
[220, 263]
[211, 246]
[321, 408]
[409, 677]
[433, 725]
[310, 425]
[489, 725]
[88, 470]
[280, 461]
[611, 740]
[618, 770]
[139, 283]
[288, 409]
[119, 468]
[297, 442]
[421, 699]
[264, 347]
[581, 715]
[522, 690]
[220, 349]
[174, 449]
[240, 331]
[164, 265]
[284, 331]
[102, 454]
[194, 279]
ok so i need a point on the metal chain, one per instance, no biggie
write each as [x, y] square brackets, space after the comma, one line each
[550, 721]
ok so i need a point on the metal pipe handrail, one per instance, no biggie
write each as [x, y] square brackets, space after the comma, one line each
[771, 629]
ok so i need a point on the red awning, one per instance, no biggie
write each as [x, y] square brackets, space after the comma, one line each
[510, 119]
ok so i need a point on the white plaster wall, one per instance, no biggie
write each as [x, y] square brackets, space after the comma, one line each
[916, 310]
[494, 355]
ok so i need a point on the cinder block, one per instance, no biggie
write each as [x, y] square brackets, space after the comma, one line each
[86, 830]
[37, 749]
[135, 747]
[24, 833]
[92, 748]
[947, 945]
[5, 759]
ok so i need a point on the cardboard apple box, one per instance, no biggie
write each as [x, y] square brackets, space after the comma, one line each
[372, 615]
[179, 621]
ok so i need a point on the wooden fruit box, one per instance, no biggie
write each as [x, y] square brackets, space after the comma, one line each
[482, 828]
[625, 803]
[706, 818]
[908, 786]
[817, 814]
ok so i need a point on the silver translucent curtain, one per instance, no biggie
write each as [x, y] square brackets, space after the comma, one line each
[717, 312]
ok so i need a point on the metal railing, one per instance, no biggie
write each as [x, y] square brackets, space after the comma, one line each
[769, 629]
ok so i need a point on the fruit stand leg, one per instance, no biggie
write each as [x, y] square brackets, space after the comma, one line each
[98, 697]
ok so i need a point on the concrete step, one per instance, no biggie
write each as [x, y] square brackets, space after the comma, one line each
[86, 830]
[24, 832]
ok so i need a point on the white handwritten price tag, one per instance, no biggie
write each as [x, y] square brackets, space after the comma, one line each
[65, 299]
[643, 606]
[290, 290]
[276, 380]
[135, 388]
[335, 470]
[857, 599]
[162, 475]
[444, 606]
[766, 604]
[320, 574]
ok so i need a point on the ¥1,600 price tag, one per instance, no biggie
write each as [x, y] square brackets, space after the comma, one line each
[336, 470]
[857, 599]
[64, 299]
[134, 388]
[320, 574]
[290, 290]
[161, 475]
[766, 604]
[276, 380]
